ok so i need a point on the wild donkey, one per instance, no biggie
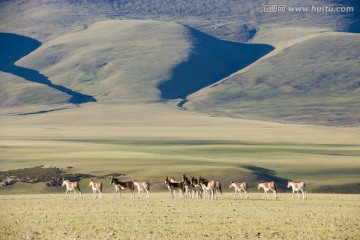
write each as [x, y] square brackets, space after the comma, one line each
[211, 188]
[142, 186]
[122, 186]
[297, 186]
[173, 186]
[198, 188]
[239, 187]
[70, 187]
[190, 188]
[268, 186]
[96, 187]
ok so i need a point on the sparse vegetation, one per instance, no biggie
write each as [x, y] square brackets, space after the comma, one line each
[313, 82]
[321, 216]
[162, 48]
[324, 167]
[31, 175]
[51, 176]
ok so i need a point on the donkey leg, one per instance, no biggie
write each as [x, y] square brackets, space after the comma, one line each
[116, 190]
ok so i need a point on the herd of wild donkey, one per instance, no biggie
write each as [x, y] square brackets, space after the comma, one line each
[200, 186]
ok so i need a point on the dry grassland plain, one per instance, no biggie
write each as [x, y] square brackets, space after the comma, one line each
[152, 141]
[147, 144]
[51, 216]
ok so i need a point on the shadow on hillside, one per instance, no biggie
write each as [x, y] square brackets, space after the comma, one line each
[210, 60]
[13, 47]
[264, 174]
[354, 17]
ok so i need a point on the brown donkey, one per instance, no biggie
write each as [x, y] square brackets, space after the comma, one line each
[122, 186]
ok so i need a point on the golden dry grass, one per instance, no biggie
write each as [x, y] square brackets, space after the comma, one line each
[321, 216]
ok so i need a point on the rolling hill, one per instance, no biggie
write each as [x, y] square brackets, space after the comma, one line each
[124, 61]
[316, 81]
[86, 51]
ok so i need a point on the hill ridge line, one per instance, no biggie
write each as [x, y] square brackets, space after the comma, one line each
[273, 53]
[20, 46]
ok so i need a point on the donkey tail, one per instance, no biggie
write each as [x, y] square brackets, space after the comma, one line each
[245, 186]
[78, 187]
[220, 188]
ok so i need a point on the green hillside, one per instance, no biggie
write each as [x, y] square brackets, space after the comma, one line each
[315, 82]
[123, 61]
[87, 51]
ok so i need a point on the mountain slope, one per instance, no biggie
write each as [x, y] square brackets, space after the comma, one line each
[209, 61]
[86, 53]
[124, 61]
[314, 81]
[113, 61]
